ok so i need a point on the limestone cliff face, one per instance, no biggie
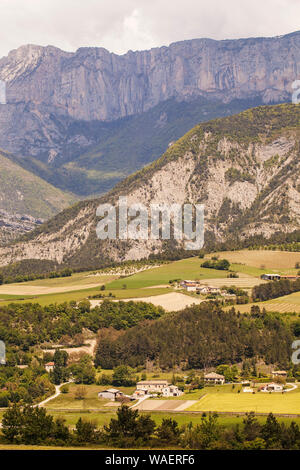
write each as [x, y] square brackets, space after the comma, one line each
[57, 100]
[95, 84]
[245, 169]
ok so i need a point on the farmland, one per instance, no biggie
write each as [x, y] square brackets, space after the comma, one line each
[152, 284]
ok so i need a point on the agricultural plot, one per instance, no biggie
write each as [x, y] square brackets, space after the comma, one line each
[286, 403]
[287, 304]
[182, 269]
[171, 302]
[274, 260]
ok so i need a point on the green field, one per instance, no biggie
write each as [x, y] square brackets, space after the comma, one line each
[182, 269]
[219, 401]
[286, 304]
[250, 264]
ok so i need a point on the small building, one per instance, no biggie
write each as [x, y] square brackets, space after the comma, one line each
[270, 277]
[190, 286]
[148, 387]
[111, 394]
[214, 378]
[22, 366]
[171, 391]
[272, 387]
[49, 366]
[152, 385]
[279, 373]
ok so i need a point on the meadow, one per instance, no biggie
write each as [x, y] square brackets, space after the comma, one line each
[219, 401]
[249, 264]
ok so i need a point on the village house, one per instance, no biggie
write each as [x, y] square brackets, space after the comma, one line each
[190, 286]
[148, 387]
[272, 387]
[49, 366]
[214, 378]
[111, 394]
[279, 373]
[270, 277]
[196, 286]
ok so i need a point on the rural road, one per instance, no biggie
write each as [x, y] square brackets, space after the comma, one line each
[57, 393]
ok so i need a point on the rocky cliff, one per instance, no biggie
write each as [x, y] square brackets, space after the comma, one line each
[244, 168]
[55, 98]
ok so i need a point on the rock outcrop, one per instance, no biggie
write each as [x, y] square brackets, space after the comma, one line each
[48, 89]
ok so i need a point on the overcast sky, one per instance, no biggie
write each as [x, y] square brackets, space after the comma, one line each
[120, 25]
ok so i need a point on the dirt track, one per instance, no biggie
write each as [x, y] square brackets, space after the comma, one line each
[20, 289]
[171, 302]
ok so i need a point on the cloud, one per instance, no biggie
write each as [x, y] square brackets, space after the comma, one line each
[120, 25]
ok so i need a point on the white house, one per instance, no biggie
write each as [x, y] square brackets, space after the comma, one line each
[279, 373]
[272, 388]
[49, 366]
[214, 378]
[111, 394]
[146, 387]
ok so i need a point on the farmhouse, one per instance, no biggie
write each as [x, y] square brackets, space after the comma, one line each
[270, 277]
[276, 277]
[214, 378]
[272, 388]
[190, 286]
[146, 387]
[196, 286]
[279, 373]
[49, 366]
[111, 394]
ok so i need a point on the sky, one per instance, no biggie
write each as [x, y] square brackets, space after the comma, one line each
[122, 25]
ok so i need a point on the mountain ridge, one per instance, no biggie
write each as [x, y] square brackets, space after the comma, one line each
[243, 168]
[59, 104]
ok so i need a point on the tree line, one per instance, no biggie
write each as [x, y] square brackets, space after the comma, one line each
[199, 337]
[130, 429]
[274, 289]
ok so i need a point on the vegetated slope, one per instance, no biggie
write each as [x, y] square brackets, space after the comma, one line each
[62, 105]
[119, 148]
[243, 168]
[201, 336]
[25, 199]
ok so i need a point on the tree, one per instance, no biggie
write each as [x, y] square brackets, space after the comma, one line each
[37, 426]
[11, 423]
[80, 393]
[271, 430]
[252, 427]
[1, 279]
[84, 371]
[129, 428]
[123, 376]
[86, 431]
[168, 432]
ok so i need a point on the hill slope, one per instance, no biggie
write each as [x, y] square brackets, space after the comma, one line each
[25, 198]
[86, 119]
[243, 168]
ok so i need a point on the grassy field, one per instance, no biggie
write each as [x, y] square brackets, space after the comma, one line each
[182, 269]
[265, 259]
[222, 401]
[68, 401]
[286, 304]
[78, 295]
[250, 265]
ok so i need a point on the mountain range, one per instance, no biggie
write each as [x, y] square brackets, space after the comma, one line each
[244, 169]
[83, 121]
